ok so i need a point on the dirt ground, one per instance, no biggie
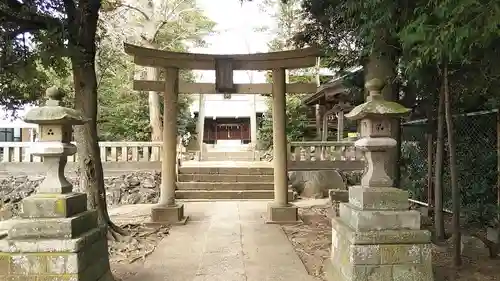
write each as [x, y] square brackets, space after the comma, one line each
[127, 255]
[312, 241]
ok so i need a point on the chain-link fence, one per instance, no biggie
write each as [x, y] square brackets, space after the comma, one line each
[476, 149]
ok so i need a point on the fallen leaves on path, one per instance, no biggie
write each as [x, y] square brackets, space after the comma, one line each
[140, 243]
[312, 238]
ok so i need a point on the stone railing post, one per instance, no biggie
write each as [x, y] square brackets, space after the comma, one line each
[375, 236]
[56, 236]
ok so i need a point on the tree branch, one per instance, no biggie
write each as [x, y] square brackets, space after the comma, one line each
[167, 18]
[137, 10]
[28, 19]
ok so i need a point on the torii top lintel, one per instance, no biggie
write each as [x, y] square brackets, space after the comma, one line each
[300, 58]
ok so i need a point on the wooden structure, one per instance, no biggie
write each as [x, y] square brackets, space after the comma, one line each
[227, 129]
[330, 102]
[168, 211]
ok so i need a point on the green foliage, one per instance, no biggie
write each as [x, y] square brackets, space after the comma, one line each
[476, 164]
[413, 168]
[423, 35]
[295, 126]
[124, 113]
[29, 38]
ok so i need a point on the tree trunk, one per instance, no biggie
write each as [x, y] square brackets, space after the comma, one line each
[438, 179]
[429, 190]
[83, 51]
[155, 117]
[154, 108]
[457, 258]
[91, 172]
[498, 175]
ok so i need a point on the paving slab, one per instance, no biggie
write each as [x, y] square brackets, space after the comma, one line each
[224, 241]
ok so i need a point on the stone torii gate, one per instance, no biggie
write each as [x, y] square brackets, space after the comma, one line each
[167, 210]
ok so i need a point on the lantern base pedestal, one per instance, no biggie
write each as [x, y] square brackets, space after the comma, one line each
[376, 237]
[58, 237]
[53, 205]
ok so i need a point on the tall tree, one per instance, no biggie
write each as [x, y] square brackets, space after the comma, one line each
[354, 33]
[64, 28]
[164, 24]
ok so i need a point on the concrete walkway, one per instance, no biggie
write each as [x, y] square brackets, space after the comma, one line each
[224, 241]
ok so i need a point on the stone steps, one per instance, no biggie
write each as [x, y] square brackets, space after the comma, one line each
[225, 178]
[200, 170]
[225, 186]
[228, 156]
[228, 194]
[226, 183]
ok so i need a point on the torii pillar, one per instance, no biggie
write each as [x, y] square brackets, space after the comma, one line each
[280, 210]
[168, 211]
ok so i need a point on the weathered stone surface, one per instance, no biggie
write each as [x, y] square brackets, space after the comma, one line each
[397, 258]
[57, 263]
[364, 254]
[378, 220]
[403, 236]
[53, 245]
[372, 272]
[282, 214]
[53, 205]
[130, 188]
[315, 184]
[168, 214]
[400, 254]
[378, 198]
[412, 272]
[337, 195]
[68, 228]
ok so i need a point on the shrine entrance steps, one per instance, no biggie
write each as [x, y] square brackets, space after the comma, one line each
[226, 180]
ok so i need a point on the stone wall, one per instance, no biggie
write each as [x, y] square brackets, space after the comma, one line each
[132, 188]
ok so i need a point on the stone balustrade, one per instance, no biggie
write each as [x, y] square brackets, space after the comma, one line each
[14, 152]
[321, 155]
[117, 157]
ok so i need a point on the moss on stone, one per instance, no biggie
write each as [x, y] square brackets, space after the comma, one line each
[376, 107]
[60, 206]
[55, 115]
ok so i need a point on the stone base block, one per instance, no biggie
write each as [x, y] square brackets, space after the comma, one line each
[363, 220]
[338, 195]
[54, 228]
[82, 259]
[165, 215]
[378, 198]
[54, 205]
[405, 256]
[282, 214]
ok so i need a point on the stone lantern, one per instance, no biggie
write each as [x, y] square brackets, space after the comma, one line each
[56, 237]
[375, 116]
[376, 236]
[54, 144]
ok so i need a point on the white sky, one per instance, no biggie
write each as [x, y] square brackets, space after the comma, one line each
[236, 24]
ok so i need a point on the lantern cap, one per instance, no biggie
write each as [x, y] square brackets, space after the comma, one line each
[53, 113]
[376, 105]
